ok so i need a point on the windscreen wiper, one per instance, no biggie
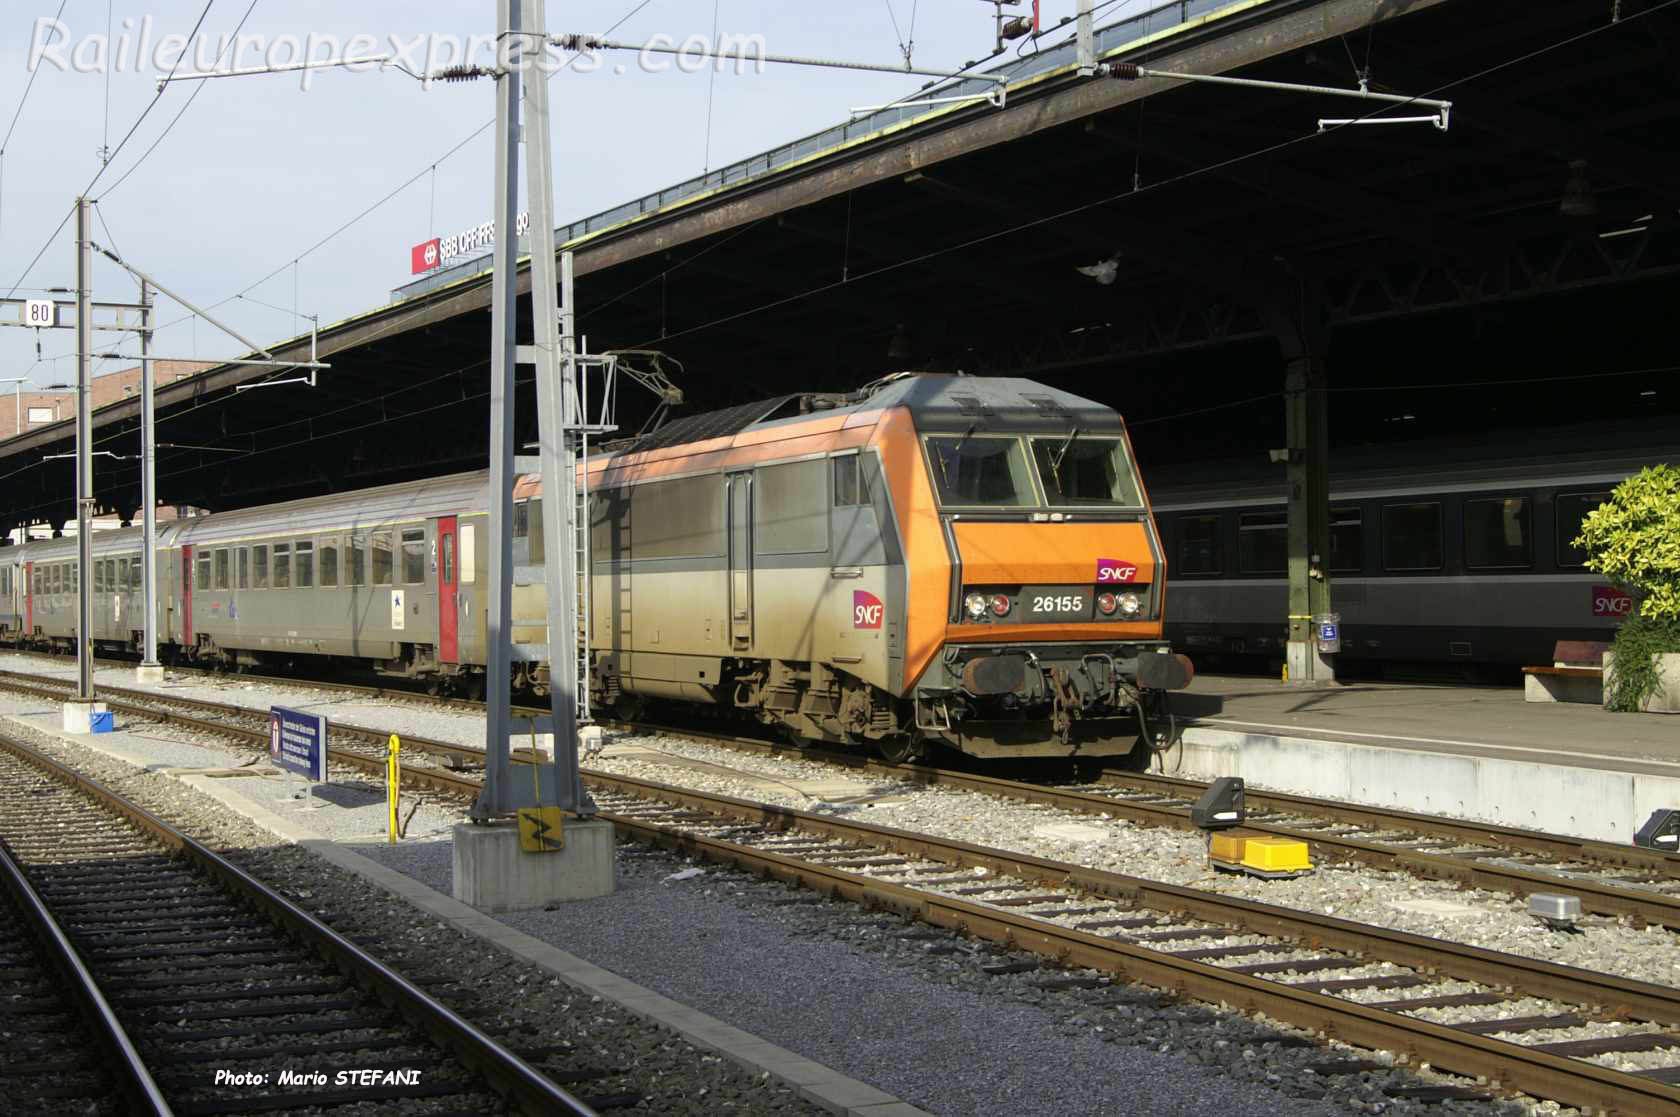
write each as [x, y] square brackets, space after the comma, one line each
[944, 473]
[1061, 452]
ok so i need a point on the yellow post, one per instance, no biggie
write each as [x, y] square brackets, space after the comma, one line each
[393, 782]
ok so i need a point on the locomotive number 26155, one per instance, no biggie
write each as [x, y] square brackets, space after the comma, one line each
[1063, 603]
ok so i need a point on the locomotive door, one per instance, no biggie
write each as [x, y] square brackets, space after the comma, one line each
[448, 575]
[740, 560]
[187, 640]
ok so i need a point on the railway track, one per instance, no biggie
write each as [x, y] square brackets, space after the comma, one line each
[1503, 1022]
[1610, 879]
[196, 972]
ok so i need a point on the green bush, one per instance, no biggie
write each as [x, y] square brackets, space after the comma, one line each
[1634, 540]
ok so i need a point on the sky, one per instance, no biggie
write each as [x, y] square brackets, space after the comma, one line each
[257, 170]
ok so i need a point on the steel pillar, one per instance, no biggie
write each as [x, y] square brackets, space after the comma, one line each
[84, 454]
[149, 666]
[1304, 337]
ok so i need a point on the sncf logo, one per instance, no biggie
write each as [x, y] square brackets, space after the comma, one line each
[866, 609]
[1608, 601]
[1116, 570]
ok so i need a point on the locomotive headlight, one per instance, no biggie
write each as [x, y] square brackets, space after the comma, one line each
[975, 605]
[1001, 604]
[1130, 604]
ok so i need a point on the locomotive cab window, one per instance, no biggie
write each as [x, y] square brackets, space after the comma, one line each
[280, 574]
[303, 563]
[1496, 533]
[259, 568]
[983, 471]
[1570, 510]
[1199, 551]
[414, 556]
[850, 489]
[1412, 536]
[1263, 542]
[1079, 469]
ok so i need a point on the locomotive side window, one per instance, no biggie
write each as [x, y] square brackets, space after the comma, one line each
[1347, 540]
[1412, 536]
[414, 556]
[678, 519]
[281, 573]
[1076, 469]
[244, 568]
[358, 560]
[1496, 533]
[1263, 542]
[259, 567]
[222, 572]
[329, 563]
[609, 528]
[848, 483]
[303, 563]
[1571, 509]
[1198, 545]
[790, 508]
[381, 558]
[203, 570]
[980, 471]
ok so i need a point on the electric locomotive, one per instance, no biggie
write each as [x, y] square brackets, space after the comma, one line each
[934, 559]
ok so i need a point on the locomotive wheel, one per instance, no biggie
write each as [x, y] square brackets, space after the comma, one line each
[901, 749]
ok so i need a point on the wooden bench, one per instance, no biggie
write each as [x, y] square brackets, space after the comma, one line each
[1576, 674]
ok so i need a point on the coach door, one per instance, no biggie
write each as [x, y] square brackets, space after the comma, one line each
[187, 640]
[448, 583]
[740, 560]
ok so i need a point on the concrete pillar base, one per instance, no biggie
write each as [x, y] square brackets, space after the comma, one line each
[494, 875]
[78, 716]
[1306, 667]
[149, 673]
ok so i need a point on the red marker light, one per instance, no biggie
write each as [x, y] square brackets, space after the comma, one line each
[1000, 604]
[1106, 604]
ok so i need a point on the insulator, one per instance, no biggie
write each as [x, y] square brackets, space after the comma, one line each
[1125, 71]
[1015, 28]
[461, 73]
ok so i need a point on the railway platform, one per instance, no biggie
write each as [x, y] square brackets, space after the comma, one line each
[1476, 752]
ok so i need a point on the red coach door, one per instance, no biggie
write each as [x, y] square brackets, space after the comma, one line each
[187, 640]
[449, 581]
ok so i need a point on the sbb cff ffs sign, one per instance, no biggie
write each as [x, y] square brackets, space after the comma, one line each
[1608, 601]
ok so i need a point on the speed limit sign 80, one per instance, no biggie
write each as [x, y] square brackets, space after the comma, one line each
[40, 313]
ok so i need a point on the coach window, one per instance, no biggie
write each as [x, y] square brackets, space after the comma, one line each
[99, 576]
[1412, 536]
[135, 570]
[59, 579]
[790, 514]
[358, 560]
[122, 576]
[1198, 545]
[281, 573]
[1263, 542]
[303, 559]
[259, 567]
[244, 568]
[1570, 510]
[329, 562]
[1496, 533]
[414, 556]
[1347, 540]
[223, 580]
[204, 570]
[528, 533]
[381, 558]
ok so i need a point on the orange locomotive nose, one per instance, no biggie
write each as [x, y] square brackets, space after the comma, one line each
[1069, 553]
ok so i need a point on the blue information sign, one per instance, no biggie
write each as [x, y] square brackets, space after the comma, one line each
[298, 742]
[1329, 633]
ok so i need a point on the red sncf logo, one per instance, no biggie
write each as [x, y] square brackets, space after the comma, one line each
[866, 609]
[1116, 570]
[1608, 601]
